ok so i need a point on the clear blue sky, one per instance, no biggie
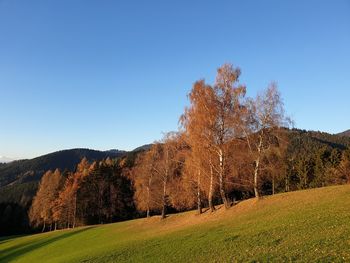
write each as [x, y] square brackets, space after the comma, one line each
[115, 74]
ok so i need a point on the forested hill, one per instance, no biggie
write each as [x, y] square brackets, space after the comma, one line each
[302, 140]
[18, 179]
[32, 169]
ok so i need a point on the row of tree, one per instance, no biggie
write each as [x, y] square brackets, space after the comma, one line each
[231, 147]
[225, 140]
[228, 147]
[94, 193]
[309, 164]
[167, 177]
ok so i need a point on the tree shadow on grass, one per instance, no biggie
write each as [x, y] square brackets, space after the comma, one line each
[5, 239]
[14, 252]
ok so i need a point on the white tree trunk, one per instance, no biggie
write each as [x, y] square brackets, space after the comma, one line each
[211, 189]
[221, 179]
[199, 201]
[257, 167]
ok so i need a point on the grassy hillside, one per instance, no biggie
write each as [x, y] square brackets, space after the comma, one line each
[311, 225]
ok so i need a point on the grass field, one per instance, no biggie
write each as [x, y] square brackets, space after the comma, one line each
[306, 226]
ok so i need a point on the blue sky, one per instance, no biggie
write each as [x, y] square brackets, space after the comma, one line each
[115, 74]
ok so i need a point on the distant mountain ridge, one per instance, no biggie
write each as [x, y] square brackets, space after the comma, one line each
[19, 179]
[4, 159]
[143, 148]
[345, 133]
[32, 169]
[65, 159]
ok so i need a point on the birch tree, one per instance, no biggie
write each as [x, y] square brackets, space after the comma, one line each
[229, 102]
[214, 119]
[146, 181]
[198, 123]
[265, 120]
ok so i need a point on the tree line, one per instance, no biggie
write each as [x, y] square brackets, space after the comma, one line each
[95, 193]
[315, 159]
[228, 147]
[226, 143]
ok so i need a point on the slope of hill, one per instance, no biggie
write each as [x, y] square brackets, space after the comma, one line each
[309, 226]
[143, 148]
[309, 140]
[345, 133]
[4, 159]
[18, 179]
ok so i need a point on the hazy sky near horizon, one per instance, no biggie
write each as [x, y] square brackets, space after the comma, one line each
[116, 74]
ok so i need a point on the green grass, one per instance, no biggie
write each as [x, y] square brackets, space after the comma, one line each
[306, 226]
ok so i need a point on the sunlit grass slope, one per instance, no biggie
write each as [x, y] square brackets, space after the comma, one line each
[311, 225]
